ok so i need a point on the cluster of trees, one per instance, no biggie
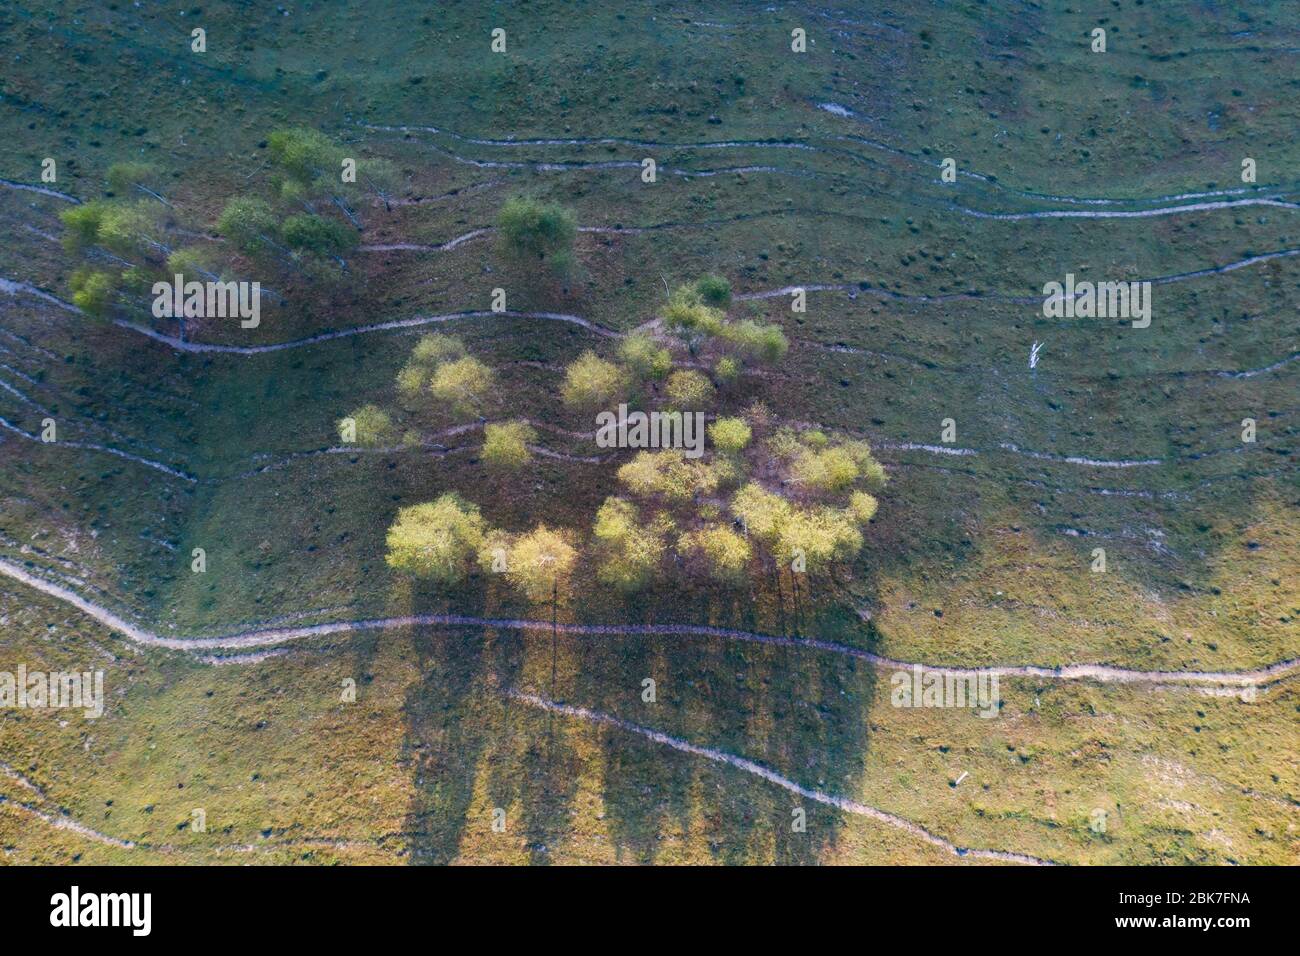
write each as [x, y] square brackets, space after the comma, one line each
[646, 371]
[124, 238]
[762, 498]
[309, 221]
[765, 499]
[442, 540]
[302, 230]
[761, 495]
[440, 376]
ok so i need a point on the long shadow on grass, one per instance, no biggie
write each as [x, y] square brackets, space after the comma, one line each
[800, 713]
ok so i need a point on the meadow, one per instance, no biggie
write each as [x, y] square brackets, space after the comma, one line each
[775, 170]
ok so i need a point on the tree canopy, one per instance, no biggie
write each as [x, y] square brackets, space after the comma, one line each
[437, 540]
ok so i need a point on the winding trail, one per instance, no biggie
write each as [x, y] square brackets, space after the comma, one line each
[597, 329]
[11, 287]
[423, 247]
[796, 145]
[416, 322]
[66, 823]
[771, 776]
[866, 288]
[42, 190]
[273, 636]
[1130, 213]
[106, 449]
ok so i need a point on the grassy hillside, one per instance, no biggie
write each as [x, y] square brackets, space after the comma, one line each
[775, 169]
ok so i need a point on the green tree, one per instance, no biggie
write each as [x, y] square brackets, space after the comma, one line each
[730, 435]
[690, 319]
[689, 390]
[762, 343]
[92, 291]
[436, 348]
[726, 370]
[821, 536]
[318, 235]
[645, 357]
[249, 223]
[436, 540]
[829, 470]
[430, 352]
[82, 224]
[863, 506]
[629, 551]
[308, 161]
[714, 291]
[541, 563]
[537, 231]
[193, 261]
[124, 229]
[463, 386]
[762, 512]
[721, 552]
[505, 446]
[668, 475]
[128, 177]
[591, 382]
[369, 426]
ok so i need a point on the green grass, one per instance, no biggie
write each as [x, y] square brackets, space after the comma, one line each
[976, 559]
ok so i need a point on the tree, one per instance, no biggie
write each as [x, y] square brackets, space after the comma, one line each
[727, 370]
[133, 176]
[762, 512]
[821, 536]
[689, 319]
[82, 224]
[436, 540]
[194, 261]
[538, 231]
[830, 470]
[667, 474]
[722, 553]
[629, 551]
[645, 357]
[93, 291]
[430, 352]
[689, 390]
[540, 563]
[505, 446]
[318, 235]
[730, 435]
[436, 348]
[591, 382]
[463, 385]
[308, 162]
[863, 506]
[124, 229]
[762, 343]
[369, 426]
[249, 223]
[714, 291]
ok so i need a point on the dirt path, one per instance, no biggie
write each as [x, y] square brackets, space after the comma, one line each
[105, 449]
[805, 146]
[416, 322]
[771, 776]
[273, 636]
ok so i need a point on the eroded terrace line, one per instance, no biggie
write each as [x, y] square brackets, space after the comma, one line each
[270, 637]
